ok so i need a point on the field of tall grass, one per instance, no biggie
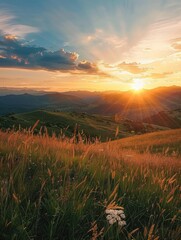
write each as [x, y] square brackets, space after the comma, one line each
[53, 188]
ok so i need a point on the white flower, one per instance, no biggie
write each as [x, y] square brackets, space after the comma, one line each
[108, 217]
[111, 222]
[114, 215]
[122, 223]
[118, 217]
[107, 211]
[115, 211]
[111, 211]
[120, 211]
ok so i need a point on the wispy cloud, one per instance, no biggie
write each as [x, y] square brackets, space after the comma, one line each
[101, 37]
[121, 31]
[134, 67]
[176, 44]
[159, 75]
[8, 25]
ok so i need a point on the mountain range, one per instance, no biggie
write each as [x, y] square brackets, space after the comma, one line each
[132, 105]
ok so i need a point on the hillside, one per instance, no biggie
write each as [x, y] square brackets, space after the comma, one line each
[59, 190]
[165, 142]
[170, 119]
[87, 126]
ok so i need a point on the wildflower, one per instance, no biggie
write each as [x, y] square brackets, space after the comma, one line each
[108, 217]
[107, 211]
[122, 223]
[114, 215]
[112, 221]
[123, 216]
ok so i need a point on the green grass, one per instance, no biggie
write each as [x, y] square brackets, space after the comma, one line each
[88, 126]
[54, 189]
[91, 126]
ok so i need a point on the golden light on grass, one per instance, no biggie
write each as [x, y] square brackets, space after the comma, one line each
[137, 84]
[70, 187]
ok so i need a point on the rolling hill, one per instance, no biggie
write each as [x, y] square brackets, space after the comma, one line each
[165, 142]
[90, 126]
[170, 119]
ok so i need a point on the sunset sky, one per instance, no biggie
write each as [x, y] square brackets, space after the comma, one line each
[62, 45]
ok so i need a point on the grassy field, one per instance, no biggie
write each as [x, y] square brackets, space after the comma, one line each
[166, 143]
[53, 188]
[91, 126]
[63, 122]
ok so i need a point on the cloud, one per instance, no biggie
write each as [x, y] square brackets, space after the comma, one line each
[87, 66]
[57, 60]
[123, 34]
[176, 44]
[92, 69]
[8, 25]
[15, 53]
[131, 67]
[102, 37]
[159, 75]
[10, 45]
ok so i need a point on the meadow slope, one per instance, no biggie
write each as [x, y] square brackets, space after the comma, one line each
[166, 142]
[89, 126]
[53, 188]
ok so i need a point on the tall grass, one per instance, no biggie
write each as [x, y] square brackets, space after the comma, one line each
[52, 188]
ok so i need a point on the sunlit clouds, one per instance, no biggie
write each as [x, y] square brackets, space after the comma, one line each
[90, 44]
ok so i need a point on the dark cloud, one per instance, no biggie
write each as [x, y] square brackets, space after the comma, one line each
[58, 60]
[17, 54]
[87, 66]
[10, 45]
[14, 53]
[131, 67]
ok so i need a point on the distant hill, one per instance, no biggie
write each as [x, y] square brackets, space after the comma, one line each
[18, 91]
[26, 102]
[136, 106]
[170, 119]
[86, 96]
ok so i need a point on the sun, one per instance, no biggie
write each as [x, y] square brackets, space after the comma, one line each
[137, 84]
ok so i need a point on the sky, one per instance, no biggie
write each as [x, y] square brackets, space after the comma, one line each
[96, 45]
